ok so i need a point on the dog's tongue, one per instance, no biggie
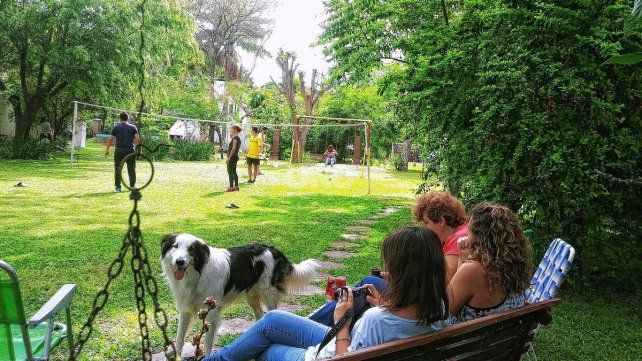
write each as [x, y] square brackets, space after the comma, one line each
[179, 273]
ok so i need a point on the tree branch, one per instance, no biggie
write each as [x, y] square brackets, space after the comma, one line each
[614, 179]
[395, 59]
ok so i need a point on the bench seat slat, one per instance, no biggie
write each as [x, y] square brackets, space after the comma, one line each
[500, 335]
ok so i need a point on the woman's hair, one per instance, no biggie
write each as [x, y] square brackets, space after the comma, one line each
[440, 204]
[330, 148]
[237, 127]
[255, 129]
[415, 261]
[499, 244]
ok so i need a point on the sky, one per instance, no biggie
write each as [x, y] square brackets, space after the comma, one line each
[297, 24]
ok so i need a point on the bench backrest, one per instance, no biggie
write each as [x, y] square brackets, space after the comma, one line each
[501, 336]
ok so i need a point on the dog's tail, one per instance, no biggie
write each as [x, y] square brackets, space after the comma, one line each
[302, 273]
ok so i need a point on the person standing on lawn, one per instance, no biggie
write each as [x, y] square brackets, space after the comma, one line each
[233, 158]
[127, 138]
[253, 155]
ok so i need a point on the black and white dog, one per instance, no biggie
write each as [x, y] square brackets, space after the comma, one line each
[195, 271]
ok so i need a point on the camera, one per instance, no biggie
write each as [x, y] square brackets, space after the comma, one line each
[358, 293]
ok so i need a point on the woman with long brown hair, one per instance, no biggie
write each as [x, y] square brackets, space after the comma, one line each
[415, 302]
[495, 265]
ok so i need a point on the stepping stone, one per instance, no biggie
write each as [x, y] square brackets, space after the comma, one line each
[358, 228]
[344, 244]
[309, 290]
[330, 265]
[290, 307]
[389, 211]
[339, 254]
[234, 326]
[353, 237]
[367, 222]
[188, 350]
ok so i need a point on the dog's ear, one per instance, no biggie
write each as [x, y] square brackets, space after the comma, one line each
[167, 243]
[200, 253]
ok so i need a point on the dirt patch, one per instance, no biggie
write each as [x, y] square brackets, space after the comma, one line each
[288, 307]
[358, 228]
[353, 236]
[309, 290]
[330, 265]
[234, 326]
[344, 244]
[188, 350]
[339, 254]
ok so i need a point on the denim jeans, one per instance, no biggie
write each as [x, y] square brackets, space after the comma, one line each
[278, 335]
[330, 161]
[325, 315]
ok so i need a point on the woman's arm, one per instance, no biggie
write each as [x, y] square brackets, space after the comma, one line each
[342, 340]
[462, 286]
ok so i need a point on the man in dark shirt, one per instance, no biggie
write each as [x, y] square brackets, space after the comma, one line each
[127, 138]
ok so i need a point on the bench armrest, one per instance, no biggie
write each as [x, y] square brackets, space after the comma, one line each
[58, 302]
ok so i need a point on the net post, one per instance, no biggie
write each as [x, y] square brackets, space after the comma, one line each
[73, 129]
[368, 127]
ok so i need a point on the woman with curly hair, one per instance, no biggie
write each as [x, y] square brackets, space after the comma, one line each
[495, 265]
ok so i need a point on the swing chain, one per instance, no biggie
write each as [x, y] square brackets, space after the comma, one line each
[144, 282]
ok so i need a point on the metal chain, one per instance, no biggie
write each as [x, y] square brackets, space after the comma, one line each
[144, 282]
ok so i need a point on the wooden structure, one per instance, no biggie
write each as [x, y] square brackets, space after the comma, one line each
[503, 336]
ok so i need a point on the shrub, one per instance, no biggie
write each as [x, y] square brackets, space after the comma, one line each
[530, 118]
[28, 149]
[190, 150]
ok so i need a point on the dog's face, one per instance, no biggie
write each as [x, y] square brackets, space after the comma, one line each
[182, 254]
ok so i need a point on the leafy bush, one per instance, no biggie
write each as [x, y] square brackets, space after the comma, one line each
[512, 99]
[189, 150]
[396, 161]
[162, 152]
[27, 149]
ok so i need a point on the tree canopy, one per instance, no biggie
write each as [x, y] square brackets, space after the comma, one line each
[512, 103]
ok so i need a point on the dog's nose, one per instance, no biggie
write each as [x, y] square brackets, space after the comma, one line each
[180, 262]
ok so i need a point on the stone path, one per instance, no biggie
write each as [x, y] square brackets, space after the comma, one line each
[339, 252]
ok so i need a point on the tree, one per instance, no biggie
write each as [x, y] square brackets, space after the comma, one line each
[58, 51]
[287, 62]
[511, 103]
[225, 27]
[53, 45]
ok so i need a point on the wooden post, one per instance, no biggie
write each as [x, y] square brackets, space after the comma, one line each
[275, 144]
[356, 157]
[368, 126]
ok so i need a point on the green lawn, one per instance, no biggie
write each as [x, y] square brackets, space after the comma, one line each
[67, 225]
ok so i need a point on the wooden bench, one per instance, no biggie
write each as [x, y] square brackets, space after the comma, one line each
[503, 336]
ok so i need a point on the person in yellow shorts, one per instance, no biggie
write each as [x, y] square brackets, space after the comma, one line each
[253, 155]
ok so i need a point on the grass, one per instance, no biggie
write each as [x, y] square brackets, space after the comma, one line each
[66, 227]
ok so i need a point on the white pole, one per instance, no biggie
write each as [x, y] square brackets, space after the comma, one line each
[73, 129]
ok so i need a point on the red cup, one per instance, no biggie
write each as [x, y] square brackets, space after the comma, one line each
[333, 284]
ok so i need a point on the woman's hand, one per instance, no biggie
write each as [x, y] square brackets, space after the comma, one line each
[343, 305]
[375, 297]
[463, 245]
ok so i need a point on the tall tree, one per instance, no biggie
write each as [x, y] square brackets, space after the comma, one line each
[310, 95]
[226, 26]
[53, 45]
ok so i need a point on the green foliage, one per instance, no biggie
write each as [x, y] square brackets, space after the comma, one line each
[27, 149]
[512, 104]
[190, 150]
[183, 150]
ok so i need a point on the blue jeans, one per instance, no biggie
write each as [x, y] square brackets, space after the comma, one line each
[330, 161]
[278, 335]
[325, 315]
